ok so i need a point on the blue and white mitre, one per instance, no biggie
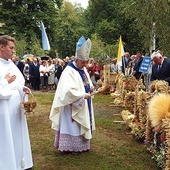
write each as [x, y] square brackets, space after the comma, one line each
[83, 49]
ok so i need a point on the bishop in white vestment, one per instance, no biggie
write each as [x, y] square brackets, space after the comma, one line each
[72, 110]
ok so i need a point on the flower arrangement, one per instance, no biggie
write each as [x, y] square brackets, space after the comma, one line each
[157, 148]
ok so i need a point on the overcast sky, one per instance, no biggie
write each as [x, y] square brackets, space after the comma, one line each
[84, 3]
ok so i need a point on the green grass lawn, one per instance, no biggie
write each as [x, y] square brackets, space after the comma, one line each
[112, 148]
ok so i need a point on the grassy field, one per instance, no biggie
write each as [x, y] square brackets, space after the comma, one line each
[112, 148]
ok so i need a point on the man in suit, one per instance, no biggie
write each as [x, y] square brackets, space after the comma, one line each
[61, 67]
[139, 59]
[19, 64]
[160, 68]
[35, 74]
[125, 61]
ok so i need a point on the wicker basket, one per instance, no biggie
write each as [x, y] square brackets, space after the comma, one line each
[28, 106]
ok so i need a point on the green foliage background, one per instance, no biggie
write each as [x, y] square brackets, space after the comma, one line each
[103, 21]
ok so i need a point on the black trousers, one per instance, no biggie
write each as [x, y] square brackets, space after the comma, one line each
[35, 83]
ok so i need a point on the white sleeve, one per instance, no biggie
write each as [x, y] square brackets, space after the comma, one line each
[79, 103]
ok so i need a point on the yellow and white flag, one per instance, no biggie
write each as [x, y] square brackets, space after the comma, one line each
[120, 52]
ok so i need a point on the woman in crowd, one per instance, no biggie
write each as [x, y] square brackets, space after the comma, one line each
[51, 70]
[27, 75]
[44, 75]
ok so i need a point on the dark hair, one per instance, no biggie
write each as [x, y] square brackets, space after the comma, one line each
[139, 52]
[4, 39]
[43, 61]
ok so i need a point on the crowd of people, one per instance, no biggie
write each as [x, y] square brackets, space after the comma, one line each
[130, 65]
[41, 74]
[45, 74]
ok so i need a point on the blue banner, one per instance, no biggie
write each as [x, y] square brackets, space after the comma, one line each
[45, 41]
[145, 64]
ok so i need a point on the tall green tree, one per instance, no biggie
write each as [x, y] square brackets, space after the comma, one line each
[133, 19]
[150, 18]
[21, 18]
[70, 27]
[136, 20]
[101, 17]
[108, 20]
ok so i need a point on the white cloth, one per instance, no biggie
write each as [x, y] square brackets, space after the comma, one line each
[15, 152]
[70, 89]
